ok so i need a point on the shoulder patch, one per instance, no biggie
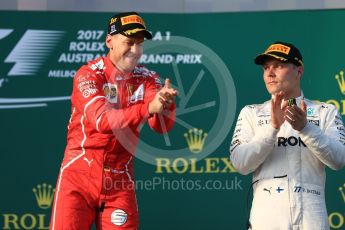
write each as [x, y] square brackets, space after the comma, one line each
[99, 65]
[86, 86]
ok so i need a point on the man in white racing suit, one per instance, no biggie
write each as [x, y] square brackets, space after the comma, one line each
[287, 146]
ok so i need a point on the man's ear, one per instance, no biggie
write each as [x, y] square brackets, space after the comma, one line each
[300, 71]
[108, 42]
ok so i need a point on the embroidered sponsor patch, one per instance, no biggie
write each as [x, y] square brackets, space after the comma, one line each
[264, 122]
[138, 94]
[299, 189]
[310, 112]
[86, 87]
[315, 122]
[112, 29]
[110, 92]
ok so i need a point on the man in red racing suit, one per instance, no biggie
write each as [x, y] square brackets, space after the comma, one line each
[111, 99]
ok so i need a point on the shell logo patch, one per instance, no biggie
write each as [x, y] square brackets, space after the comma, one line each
[118, 217]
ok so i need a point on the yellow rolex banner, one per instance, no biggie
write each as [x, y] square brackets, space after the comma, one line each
[184, 179]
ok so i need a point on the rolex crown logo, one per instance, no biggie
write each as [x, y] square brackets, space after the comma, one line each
[341, 81]
[195, 140]
[44, 195]
[342, 191]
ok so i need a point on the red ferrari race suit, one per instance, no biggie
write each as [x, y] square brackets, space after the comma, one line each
[95, 183]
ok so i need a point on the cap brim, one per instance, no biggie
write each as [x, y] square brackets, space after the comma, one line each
[260, 59]
[147, 34]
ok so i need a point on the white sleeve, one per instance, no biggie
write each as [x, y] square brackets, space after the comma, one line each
[328, 145]
[249, 149]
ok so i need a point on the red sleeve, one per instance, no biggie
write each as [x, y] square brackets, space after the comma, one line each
[88, 97]
[164, 122]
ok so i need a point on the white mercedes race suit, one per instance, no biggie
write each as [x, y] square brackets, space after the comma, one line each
[288, 165]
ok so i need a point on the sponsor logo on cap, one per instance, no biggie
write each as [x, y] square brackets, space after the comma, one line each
[278, 48]
[112, 28]
[113, 20]
[132, 19]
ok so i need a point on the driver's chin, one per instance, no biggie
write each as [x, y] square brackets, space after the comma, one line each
[131, 61]
[273, 90]
[129, 65]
